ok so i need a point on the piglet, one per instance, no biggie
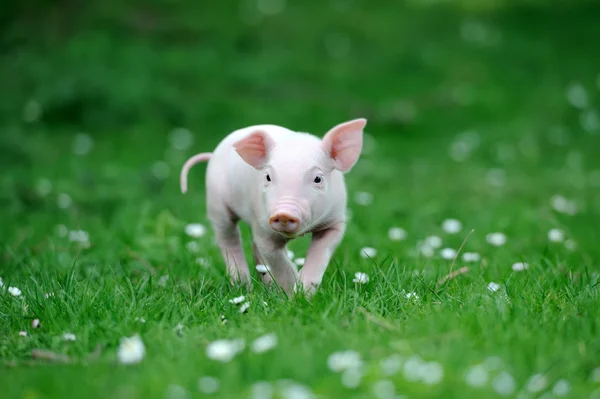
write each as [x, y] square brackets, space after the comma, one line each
[284, 184]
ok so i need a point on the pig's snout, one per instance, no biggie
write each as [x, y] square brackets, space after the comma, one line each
[283, 222]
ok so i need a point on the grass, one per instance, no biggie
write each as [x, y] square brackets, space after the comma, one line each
[133, 74]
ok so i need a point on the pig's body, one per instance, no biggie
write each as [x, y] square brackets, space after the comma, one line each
[266, 176]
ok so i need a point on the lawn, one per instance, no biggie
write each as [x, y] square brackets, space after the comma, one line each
[477, 199]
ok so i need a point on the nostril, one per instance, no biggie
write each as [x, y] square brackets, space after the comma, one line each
[276, 221]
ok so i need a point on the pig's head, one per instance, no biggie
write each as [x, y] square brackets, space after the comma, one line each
[297, 173]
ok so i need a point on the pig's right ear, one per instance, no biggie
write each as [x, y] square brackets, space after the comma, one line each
[254, 148]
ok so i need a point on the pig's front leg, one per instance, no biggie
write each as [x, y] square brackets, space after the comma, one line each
[274, 254]
[322, 246]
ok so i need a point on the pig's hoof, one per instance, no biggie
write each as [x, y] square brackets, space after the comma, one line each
[307, 288]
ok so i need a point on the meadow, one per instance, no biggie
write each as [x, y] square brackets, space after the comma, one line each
[474, 209]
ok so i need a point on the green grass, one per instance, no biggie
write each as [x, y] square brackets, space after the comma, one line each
[127, 76]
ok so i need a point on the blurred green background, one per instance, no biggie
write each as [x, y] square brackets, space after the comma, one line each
[485, 111]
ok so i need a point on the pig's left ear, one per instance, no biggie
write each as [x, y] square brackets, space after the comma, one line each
[254, 148]
[343, 143]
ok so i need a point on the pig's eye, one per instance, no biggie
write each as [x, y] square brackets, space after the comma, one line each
[268, 177]
[318, 179]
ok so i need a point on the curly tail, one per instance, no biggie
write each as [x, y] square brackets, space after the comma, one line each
[205, 156]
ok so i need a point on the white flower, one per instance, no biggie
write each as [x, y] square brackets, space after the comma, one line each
[368, 252]
[520, 266]
[1, 283]
[412, 295]
[290, 254]
[299, 261]
[476, 376]
[452, 226]
[264, 343]
[426, 250]
[496, 239]
[556, 235]
[412, 368]
[80, 236]
[570, 245]
[392, 364]
[14, 291]
[397, 234]
[195, 230]
[35, 323]
[361, 278]
[131, 350]
[140, 320]
[471, 257]
[448, 253]
[69, 336]
[48, 295]
[433, 241]
[595, 376]
[537, 383]
[204, 262]
[504, 384]
[237, 300]
[363, 198]
[224, 350]
[351, 377]
[244, 307]
[561, 388]
[296, 391]
[64, 201]
[563, 205]
[340, 361]
[208, 385]
[261, 390]
[493, 287]
[384, 389]
[432, 373]
[263, 268]
[22, 333]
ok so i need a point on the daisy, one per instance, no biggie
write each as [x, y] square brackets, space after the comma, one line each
[340, 361]
[195, 230]
[224, 350]
[237, 300]
[496, 239]
[397, 234]
[360, 278]
[131, 350]
[368, 252]
[452, 226]
[264, 343]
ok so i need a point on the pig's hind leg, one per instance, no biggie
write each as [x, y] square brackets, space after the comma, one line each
[229, 240]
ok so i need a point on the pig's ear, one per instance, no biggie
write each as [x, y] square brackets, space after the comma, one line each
[254, 148]
[343, 143]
